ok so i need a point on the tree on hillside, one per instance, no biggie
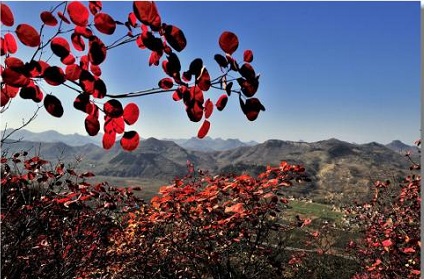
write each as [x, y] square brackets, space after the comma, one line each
[73, 56]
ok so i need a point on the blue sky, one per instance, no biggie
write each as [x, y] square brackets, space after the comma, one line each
[348, 70]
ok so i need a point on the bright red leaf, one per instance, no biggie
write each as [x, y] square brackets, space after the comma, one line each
[92, 125]
[10, 42]
[60, 47]
[96, 70]
[130, 140]
[104, 23]
[68, 60]
[77, 42]
[78, 13]
[228, 42]
[131, 113]
[95, 7]
[222, 102]
[208, 108]
[6, 15]
[248, 56]
[48, 18]
[73, 72]
[100, 90]
[87, 81]
[132, 19]
[10, 90]
[28, 35]
[53, 106]
[204, 129]
[14, 78]
[83, 31]
[147, 13]
[108, 140]
[115, 125]
[113, 108]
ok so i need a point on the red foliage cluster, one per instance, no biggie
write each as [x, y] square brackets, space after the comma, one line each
[391, 223]
[56, 223]
[82, 54]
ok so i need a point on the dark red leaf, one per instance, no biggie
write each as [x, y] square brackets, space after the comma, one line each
[195, 112]
[94, 7]
[77, 42]
[63, 17]
[10, 91]
[78, 13]
[104, 23]
[221, 60]
[228, 88]
[196, 67]
[4, 98]
[82, 103]
[166, 83]
[108, 140]
[53, 106]
[54, 75]
[175, 37]
[3, 46]
[248, 56]
[172, 65]
[97, 51]
[10, 42]
[248, 87]
[208, 108]
[247, 71]
[251, 108]
[13, 78]
[86, 81]
[14, 63]
[48, 18]
[233, 63]
[32, 91]
[113, 108]
[28, 35]
[228, 42]
[100, 90]
[6, 15]
[155, 58]
[92, 125]
[60, 47]
[73, 72]
[147, 13]
[222, 102]
[96, 70]
[204, 129]
[130, 140]
[131, 113]
[204, 81]
[68, 60]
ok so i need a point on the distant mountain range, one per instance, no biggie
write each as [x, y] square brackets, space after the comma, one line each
[339, 170]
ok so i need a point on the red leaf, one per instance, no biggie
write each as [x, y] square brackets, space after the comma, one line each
[116, 125]
[95, 69]
[10, 42]
[4, 98]
[48, 18]
[53, 106]
[248, 56]
[247, 71]
[3, 47]
[166, 83]
[175, 37]
[94, 7]
[221, 60]
[13, 78]
[130, 140]
[54, 75]
[132, 19]
[83, 31]
[204, 81]
[6, 15]
[77, 42]
[60, 47]
[92, 125]
[32, 92]
[147, 13]
[237, 208]
[99, 89]
[14, 63]
[228, 42]
[222, 102]
[113, 108]
[252, 108]
[78, 13]
[82, 103]
[84, 62]
[68, 60]
[108, 140]
[10, 91]
[195, 112]
[87, 81]
[63, 17]
[28, 35]
[204, 129]
[131, 113]
[387, 243]
[104, 23]
[73, 72]
[208, 108]
[248, 87]
[97, 51]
